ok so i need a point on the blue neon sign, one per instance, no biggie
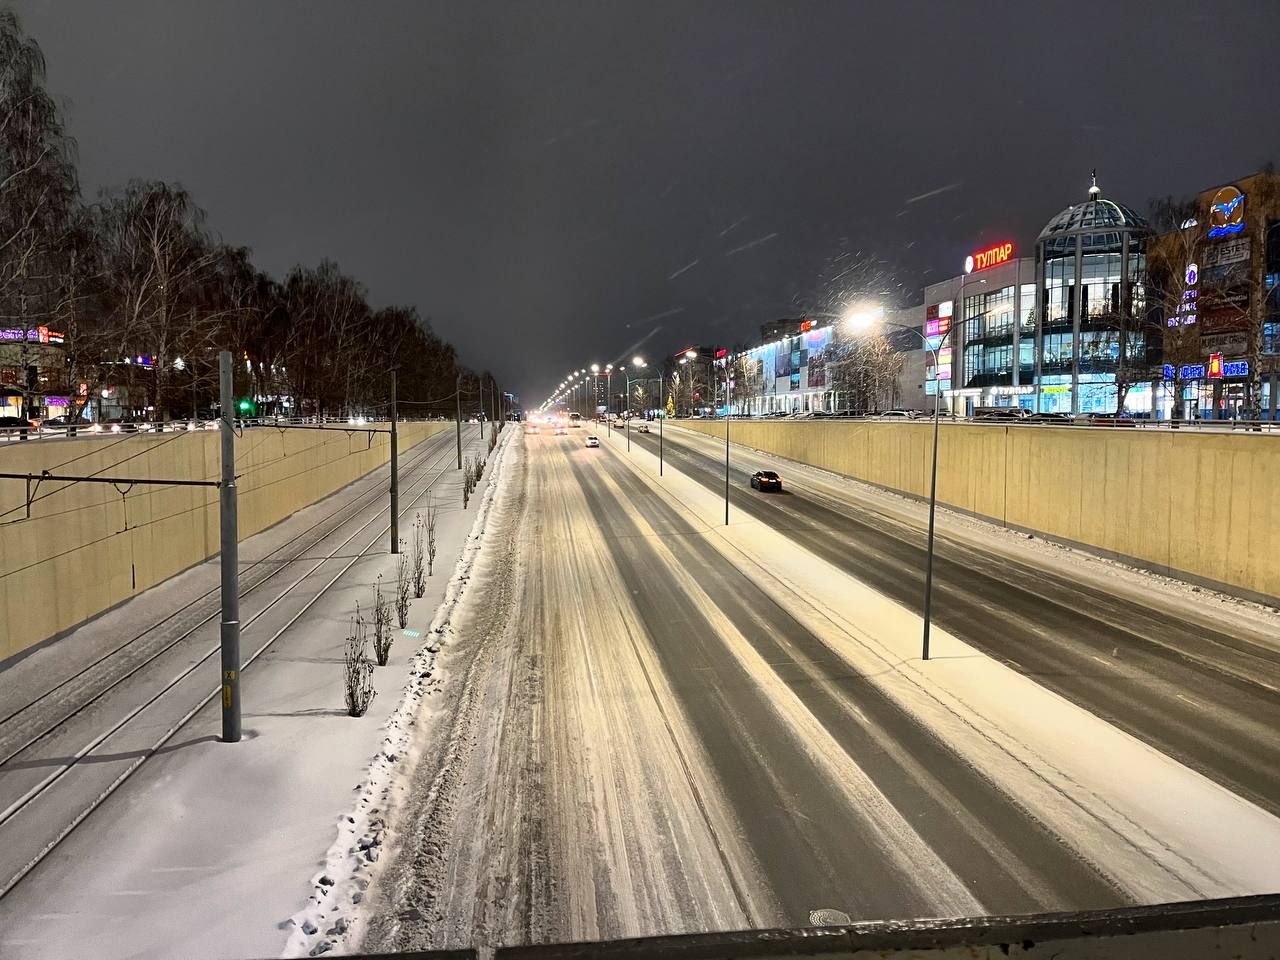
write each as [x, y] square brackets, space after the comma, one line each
[1191, 371]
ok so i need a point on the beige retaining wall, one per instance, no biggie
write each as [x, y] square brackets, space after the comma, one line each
[86, 548]
[1198, 505]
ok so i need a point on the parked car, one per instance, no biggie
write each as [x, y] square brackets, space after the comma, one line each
[15, 428]
[1104, 420]
[999, 413]
[766, 480]
[898, 415]
[1061, 418]
[593, 441]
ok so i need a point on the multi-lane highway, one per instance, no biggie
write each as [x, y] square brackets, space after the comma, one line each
[1199, 683]
[643, 737]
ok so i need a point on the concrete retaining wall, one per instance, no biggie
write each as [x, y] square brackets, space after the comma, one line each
[86, 547]
[1201, 506]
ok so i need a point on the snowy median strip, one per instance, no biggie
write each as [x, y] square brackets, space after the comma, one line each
[325, 924]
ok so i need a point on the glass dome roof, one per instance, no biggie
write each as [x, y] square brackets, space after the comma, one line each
[1093, 215]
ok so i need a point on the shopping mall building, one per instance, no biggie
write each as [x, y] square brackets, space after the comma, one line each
[1085, 320]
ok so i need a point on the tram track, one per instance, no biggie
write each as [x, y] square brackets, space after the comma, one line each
[25, 837]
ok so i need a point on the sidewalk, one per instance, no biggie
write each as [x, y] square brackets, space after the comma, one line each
[209, 849]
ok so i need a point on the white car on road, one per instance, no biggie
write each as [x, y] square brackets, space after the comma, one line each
[593, 441]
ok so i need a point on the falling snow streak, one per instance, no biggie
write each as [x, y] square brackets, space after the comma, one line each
[754, 243]
[659, 316]
[931, 193]
[736, 223]
[685, 268]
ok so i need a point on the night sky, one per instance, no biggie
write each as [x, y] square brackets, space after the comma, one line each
[556, 183]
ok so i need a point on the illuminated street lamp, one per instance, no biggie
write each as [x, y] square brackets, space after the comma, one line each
[862, 319]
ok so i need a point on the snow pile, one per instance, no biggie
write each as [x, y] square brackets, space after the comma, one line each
[325, 924]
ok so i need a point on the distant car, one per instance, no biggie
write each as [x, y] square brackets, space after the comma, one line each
[642, 427]
[593, 441]
[561, 430]
[15, 428]
[531, 428]
[66, 425]
[119, 425]
[766, 480]
[899, 415]
[1062, 418]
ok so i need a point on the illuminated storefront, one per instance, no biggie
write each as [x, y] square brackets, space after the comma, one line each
[1215, 286]
[32, 372]
[1089, 325]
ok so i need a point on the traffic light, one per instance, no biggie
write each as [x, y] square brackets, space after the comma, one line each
[246, 407]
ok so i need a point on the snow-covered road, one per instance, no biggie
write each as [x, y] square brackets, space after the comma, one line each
[1197, 677]
[659, 725]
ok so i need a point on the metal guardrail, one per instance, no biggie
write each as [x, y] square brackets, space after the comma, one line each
[144, 428]
[1207, 426]
[1244, 928]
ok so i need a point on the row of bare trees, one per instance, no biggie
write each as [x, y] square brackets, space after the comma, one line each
[139, 274]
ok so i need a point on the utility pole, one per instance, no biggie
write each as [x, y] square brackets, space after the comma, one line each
[662, 413]
[230, 558]
[457, 396]
[395, 472]
[726, 440]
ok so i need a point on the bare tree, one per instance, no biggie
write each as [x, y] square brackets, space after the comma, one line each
[431, 536]
[38, 190]
[159, 258]
[417, 554]
[358, 671]
[865, 368]
[404, 587]
[382, 637]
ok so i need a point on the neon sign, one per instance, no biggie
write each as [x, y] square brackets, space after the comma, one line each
[34, 335]
[1236, 368]
[1226, 212]
[1215, 366]
[1191, 371]
[988, 258]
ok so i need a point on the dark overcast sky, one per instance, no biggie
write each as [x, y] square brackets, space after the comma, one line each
[551, 182]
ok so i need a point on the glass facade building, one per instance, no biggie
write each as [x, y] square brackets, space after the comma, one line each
[1088, 329]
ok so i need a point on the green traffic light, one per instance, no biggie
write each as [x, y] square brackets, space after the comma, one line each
[246, 405]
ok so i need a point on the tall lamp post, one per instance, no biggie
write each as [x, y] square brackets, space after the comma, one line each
[728, 384]
[608, 398]
[637, 363]
[861, 321]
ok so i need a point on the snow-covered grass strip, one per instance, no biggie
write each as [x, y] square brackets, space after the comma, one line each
[325, 924]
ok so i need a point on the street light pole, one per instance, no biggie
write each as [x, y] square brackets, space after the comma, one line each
[457, 397]
[395, 472]
[726, 440]
[230, 560]
[662, 415]
[933, 477]
[933, 501]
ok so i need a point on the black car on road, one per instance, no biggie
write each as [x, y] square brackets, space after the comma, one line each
[766, 480]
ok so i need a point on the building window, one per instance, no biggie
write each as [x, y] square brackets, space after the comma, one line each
[1027, 302]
